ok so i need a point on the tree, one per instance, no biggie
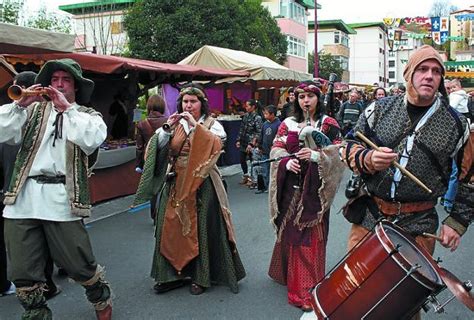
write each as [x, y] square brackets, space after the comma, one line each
[10, 11]
[441, 8]
[169, 30]
[49, 21]
[327, 64]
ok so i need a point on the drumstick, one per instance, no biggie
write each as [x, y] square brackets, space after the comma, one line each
[430, 235]
[396, 164]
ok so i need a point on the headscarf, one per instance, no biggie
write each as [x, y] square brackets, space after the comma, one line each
[307, 87]
[424, 53]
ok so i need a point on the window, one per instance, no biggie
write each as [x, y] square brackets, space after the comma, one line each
[341, 37]
[296, 47]
[343, 61]
[291, 9]
[391, 63]
[380, 36]
[391, 74]
[116, 27]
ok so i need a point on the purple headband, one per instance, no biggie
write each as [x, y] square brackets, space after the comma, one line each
[304, 87]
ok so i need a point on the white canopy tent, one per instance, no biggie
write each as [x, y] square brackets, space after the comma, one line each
[260, 68]
[15, 39]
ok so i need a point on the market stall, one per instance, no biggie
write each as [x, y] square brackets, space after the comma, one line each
[114, 173]
[119, 78]
[227, 96]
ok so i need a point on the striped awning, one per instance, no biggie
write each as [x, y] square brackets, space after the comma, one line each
[458, 74]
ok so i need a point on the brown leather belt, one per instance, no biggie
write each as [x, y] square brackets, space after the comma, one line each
[393, 207]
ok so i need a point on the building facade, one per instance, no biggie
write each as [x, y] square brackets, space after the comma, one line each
[292, 18]
[99, 28]
[398, 58]
[333, 38]
[368, 63]
[461, 24]
[98, 25]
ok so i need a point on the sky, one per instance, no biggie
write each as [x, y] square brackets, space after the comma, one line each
[347, 10]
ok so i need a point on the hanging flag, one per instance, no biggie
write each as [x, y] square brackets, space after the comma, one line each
[391, 34]
[444, 29]
[440, 29]
[435, 24]
[398, 35]
[390, 44]
[388, 21]
[444, 24]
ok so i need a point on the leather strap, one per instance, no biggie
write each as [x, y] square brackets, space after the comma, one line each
[393, 207]
[49, 179]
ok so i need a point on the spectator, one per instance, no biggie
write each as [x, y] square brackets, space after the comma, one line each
[120, 124]
[287, 108]
[399, 89]
[248, 137]
[350, 111]
[379, 93]
[269, 130]
[458, 98]
[155, 108]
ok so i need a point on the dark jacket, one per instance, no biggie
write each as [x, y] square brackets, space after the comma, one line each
[7, 160]
[145, 129]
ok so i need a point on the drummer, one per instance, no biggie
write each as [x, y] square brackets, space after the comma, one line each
[420, 131]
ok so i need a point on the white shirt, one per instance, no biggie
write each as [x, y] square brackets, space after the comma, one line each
[49, 201]
[458, 100]
[216, 128]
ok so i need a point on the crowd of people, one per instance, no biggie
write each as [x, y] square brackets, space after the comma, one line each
[297, 154]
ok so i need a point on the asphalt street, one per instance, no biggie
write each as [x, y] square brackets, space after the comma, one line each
[123, 242]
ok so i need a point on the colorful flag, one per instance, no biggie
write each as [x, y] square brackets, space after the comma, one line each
[440, 29]
[398, 35]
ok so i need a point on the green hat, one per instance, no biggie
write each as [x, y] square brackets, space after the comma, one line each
[84, 86]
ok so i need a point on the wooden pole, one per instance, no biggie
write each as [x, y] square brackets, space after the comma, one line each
[430, 235]
[396, 164]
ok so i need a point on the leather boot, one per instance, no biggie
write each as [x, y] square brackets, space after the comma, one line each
[104, 314]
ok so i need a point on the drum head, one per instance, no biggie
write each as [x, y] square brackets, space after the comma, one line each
[410, 252]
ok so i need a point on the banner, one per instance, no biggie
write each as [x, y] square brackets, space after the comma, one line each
[463, 17]
[439, 29]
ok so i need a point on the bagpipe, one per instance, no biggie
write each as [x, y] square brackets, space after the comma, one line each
[308, 137]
